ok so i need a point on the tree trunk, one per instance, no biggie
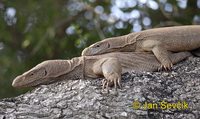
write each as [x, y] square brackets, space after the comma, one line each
[83, 99]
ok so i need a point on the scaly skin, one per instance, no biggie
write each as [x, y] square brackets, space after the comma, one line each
[161, 41]
[109, 65]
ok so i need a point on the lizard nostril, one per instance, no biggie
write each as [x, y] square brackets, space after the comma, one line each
[108, 45]
[98, 46]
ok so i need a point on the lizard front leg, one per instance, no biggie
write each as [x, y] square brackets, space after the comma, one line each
[111, 70]
[158, 49]
[163, 56]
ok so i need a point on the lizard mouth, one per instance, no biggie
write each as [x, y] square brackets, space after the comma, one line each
[21, 82]
[16, 82]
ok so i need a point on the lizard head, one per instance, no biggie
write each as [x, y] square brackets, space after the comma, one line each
[96, 48]
[46, 72]
[31, 77]
[121, 43]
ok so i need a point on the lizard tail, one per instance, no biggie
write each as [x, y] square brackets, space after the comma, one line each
[196, 52]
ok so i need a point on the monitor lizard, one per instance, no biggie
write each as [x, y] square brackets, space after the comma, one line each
[161, 41]
[110, 66]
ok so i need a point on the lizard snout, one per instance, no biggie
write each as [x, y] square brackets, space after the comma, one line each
[85, 52]
[17, 81]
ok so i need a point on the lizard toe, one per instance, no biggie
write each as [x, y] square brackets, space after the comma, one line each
[167, 66]
[119, 84]
[104, 83]
[160, 68]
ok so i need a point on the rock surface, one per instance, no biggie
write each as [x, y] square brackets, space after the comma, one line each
[84, 99]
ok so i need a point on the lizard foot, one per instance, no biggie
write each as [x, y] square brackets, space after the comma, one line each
[110, 83]
[167, 67]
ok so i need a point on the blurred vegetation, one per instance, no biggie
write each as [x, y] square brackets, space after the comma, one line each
[32, 31]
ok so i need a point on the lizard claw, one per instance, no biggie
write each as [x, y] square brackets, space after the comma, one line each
[171, 65]
[116, 82]
[160, 68]
[105, 85]
[166, 67]
[109, 83]
[119, 83]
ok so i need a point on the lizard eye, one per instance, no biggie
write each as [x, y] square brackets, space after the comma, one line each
[97, 46]
[31, 74]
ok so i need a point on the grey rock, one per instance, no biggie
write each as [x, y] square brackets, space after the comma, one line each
[83, 99]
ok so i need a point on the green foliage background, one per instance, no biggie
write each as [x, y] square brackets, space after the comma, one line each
[35, 30]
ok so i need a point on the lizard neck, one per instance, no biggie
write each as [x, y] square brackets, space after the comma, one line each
[128, 42]
[51, 71]
[74, 69]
